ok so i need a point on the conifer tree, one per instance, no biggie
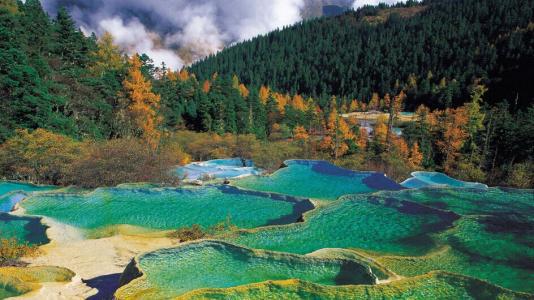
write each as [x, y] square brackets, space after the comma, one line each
[108, 56]
[70, 43]
[26, 101]
[475, 121]
[143, 104]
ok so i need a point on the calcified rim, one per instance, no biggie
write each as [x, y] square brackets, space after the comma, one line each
[364, 254]
[415, 175]
[25, 282]
[393, 280]
[21, 211]
[347, 288]
[136, 261]
[256, 171]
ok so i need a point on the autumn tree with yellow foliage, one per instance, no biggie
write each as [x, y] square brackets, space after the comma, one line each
[108, 56]
[416, 157]
[142, 104]
[298, 103]
[450, 126]
[264, 94]
[380, 132]
[338, 133]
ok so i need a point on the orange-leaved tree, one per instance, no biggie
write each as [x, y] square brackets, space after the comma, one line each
[143, 104]
[380, 132]
[298, 103]
[354, 106]
[300, 133]
[416, 157]
[337, 133]
[264, 94]
[450, 125]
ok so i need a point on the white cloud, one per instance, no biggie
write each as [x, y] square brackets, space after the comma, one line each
[133, 37]
[197, 28]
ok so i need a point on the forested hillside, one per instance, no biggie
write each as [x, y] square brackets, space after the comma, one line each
[433, 50]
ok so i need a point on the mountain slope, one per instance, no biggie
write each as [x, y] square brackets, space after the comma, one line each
[434, 50]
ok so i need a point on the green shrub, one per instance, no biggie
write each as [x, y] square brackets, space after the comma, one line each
[196, 232]
[117, 161]
[521, 175]
[185, 234]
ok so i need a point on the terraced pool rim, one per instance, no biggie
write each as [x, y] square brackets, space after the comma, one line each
[133, 272]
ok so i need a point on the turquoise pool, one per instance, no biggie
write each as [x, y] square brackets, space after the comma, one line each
[374, 223]
[13, 192]
[166, 208]
[319, 180]
[24, 229]
[213, 264]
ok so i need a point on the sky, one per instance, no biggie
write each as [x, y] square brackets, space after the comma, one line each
[179, 32]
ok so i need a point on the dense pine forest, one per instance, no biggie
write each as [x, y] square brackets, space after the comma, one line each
[75, 109]
[433, 50]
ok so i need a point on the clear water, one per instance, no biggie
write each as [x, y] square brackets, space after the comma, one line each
[24, 229]
[217, 168]
[163, 208]
[9, 193]
[428, 179]
[486, 234]
[365, 222]
[9, 200]
[491, 201]
[317, 179]
[469, 249]
[492, 240]
[212, 264]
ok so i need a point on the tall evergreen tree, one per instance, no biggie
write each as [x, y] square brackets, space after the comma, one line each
[26, 101]
[70, 44]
